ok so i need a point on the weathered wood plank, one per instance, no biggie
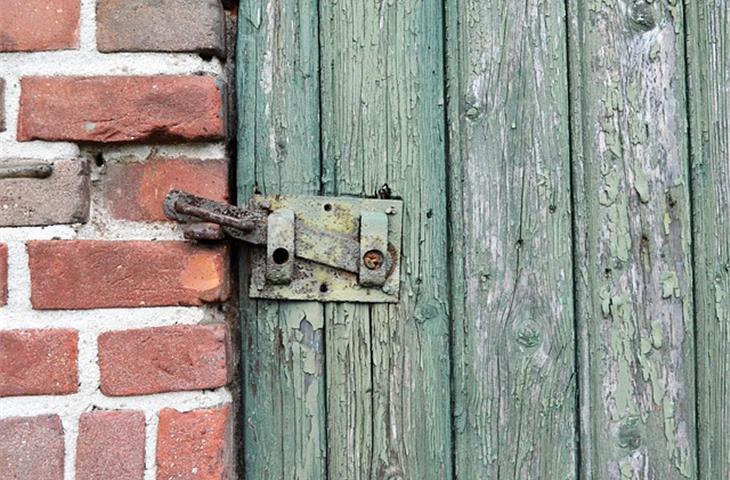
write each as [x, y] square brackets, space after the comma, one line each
[709, 64]
[278, 139]
[514, 372]
[634, 281]
[383, 122]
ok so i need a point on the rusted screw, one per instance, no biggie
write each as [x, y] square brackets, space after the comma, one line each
[373, 259]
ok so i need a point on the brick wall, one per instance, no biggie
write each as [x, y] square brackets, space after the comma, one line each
[115, 338]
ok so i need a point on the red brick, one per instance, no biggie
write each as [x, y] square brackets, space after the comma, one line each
[136, 191]
[36, 25]
[3, 274]
[38, 362]
[120, 109]
[160, 26]
[110, 445]
[82, 274]
[193, 445]
[165, 359]
[31, 448]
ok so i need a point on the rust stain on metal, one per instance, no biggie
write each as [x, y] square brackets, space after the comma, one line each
[373, 259]
[333, 250]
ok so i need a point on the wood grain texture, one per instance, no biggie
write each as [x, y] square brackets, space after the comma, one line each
[514, 372]
[632, 223]
[383, 123]
[708, 38]
[283, 342]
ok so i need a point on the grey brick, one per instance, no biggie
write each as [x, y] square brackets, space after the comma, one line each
[61, 198]
[2, 105]
[160, 26]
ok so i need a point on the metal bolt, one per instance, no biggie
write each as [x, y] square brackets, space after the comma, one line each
[30, 170]
[390, 211]
[203, 231]
[373, 259]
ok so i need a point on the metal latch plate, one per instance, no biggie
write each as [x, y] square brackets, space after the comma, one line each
[341, 233]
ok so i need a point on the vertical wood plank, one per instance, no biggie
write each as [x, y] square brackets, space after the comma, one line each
[383, 123]
[634, 281]
[709, 63]
[514, 372]
[279, 151]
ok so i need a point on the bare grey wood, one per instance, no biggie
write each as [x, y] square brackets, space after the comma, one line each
[632, 222]
[708, 35]
[513, 342]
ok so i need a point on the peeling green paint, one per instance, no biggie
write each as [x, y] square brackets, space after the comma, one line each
[641, 184]
[342, 97]
[627, 470]
[284, 418]
[657, 334]
[388, 367]
[619, 234]
[670, 285]
[632, 243]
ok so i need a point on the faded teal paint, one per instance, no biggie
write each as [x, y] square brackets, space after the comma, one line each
[284, 424]
[383, 123]
[709, 55]
[512, 334]
[547, 237]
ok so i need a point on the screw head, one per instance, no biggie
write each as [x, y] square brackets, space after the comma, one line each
[373, 259]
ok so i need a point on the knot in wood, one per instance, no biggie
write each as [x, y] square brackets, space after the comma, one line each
[641, 16]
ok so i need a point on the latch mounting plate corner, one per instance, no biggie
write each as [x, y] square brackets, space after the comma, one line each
[338, 257]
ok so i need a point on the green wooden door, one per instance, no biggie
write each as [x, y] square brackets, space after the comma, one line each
[565, 278]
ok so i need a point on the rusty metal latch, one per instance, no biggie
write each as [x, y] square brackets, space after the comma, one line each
[329, 249]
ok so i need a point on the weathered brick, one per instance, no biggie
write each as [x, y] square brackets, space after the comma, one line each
[160, 26]
[3, 274]
[136, 191]
[194, 445]
[120, 109]
[36, 25]
[110, 445]
[2, 105]
[61, 198]
[38, 362]
[31, 448]
[164, 359]
[82, 274]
